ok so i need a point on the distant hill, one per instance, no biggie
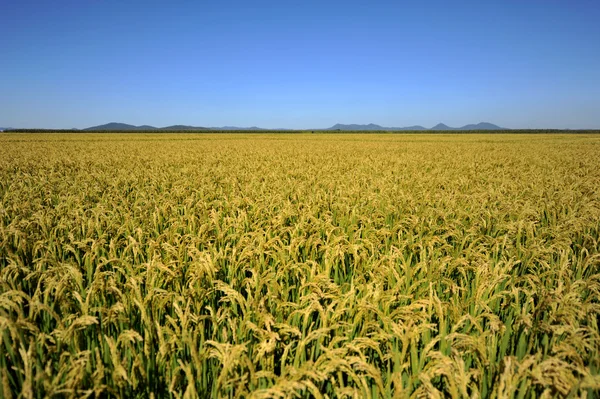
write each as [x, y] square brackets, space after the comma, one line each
[120, 127]
[238, 128]
[5, 128]
[415, 127]
[472, 126]
[482, 126]
[372, 126]
[181, 127]
[439, 126]
[124, 127]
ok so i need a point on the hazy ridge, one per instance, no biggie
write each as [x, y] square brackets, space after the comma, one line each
[115, 126]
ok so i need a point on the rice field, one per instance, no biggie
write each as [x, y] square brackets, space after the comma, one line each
[299, 265]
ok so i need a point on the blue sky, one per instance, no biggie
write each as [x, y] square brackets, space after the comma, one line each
[300, 64]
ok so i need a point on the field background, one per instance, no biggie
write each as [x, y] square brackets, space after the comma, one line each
[316, 265]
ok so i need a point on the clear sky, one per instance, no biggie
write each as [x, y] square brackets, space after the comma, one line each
[300, 64]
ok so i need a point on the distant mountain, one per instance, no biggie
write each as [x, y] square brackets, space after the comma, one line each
[482, 126]
[181, 127]
[439, 126]
[5, 128]
[120, 127]
[478, 126]
[124, 127]
[371, 127]
[238, 128]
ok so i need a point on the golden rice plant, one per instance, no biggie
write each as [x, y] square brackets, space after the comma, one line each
[290, 265]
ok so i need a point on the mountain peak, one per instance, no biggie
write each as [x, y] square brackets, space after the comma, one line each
[353, 126]
[482, 126]
[124, 127]
[441, 126]
[117, 126]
